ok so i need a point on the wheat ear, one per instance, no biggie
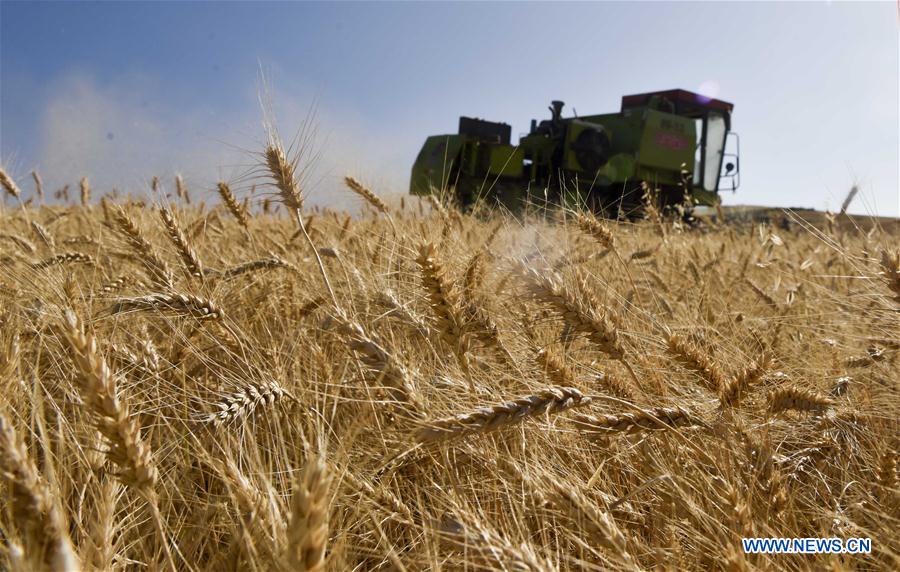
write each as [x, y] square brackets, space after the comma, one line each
[371, 198]
[604, 237]
[22, 243]
[308, 529]
[282, 172]
[33, 507]
[157, 269]
[474, 276]
[373, 354]
[366, 194]
[614, 385]
[43, 234]
[175, 304]
[762, 295]
[444, 301]
[97, 386]
[496, 551]
[38, 185]
[236, 210]
[656, 419]
[119, 283]
[126, 450]
[189, 258]
[763, 472]
[568, 500]
[797, 399]
[555, 368]
[382, 497]
[387, 299]
[692, 357]
[181, 189]
[85, 187]
[580, 317]
[65, 258]
[241, 404]
[596, 230]
[886, 477]
[733, 389]
[484, 329]
[269, 263]
[486, 419]
[9, 185]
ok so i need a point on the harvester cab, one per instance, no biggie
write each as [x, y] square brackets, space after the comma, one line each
[673, 142]
[712, 126]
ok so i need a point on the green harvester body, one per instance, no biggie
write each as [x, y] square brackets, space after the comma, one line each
[673, 142]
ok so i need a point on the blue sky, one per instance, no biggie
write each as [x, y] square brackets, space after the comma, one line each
[124, 91]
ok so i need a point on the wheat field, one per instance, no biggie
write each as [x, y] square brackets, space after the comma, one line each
[257, 385]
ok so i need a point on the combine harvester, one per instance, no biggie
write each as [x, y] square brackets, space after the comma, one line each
[674, 141]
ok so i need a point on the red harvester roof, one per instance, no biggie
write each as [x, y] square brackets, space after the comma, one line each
[677, 95]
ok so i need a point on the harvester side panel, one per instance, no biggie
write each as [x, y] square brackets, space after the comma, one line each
[667, 142]
[435, 163]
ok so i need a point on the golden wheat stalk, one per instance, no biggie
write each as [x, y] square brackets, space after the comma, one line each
[734, 387]
[97, 384]
[123, 356]
[85, 187]
[269, 263]
[444, 301]
[580, 317]
[387, 299]
[236, 210]
[282, 172]
[82, 241]
[604, 237]
[382, 497]
[101, 545]
[173, 304]
[366, 194]
[33, 507]
[483, 328]
[550, 491]
[797, 399]
[43, 234]
[65, 258]
[656, 419]
[192, 265]
[181, 189]
[596, 230]
[120, 282]
[481, 544]
[38, 185]
[375, 356]
[242, 404]
[692, 357]
[438, 207]
[308, 530]
[9, 185]
[614, 385]
[763, 295]
[21, 243]
[156, 267]
[764, 475]
[486, 419]
[555, 368]
[474, 276]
